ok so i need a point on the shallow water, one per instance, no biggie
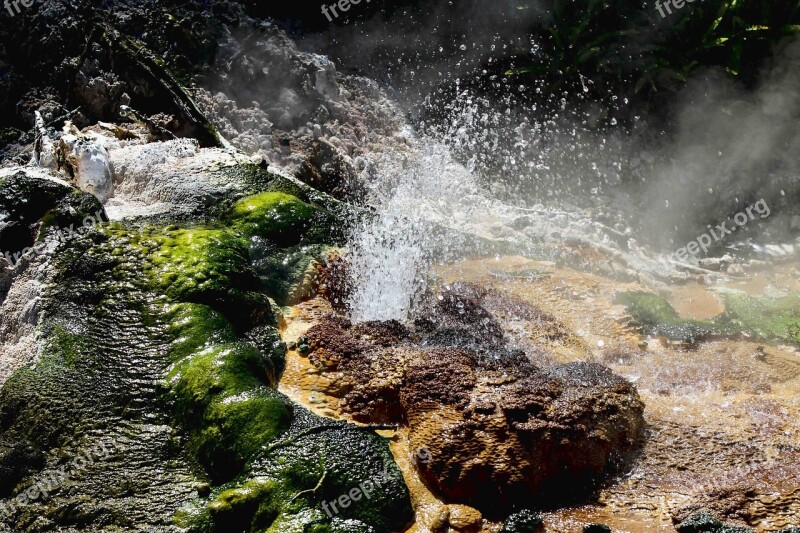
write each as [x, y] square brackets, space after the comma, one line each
[723, 417]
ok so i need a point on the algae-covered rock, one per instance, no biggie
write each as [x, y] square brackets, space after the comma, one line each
[208, 266]
[222, 394]
[768, 318]
[95, 385]
[300, 479]
[160, 345]
[17, 461]
[657, 317]
[283, 219]
[287, 237]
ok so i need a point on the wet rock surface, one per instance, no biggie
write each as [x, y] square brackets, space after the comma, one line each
[156, 340]
[30, 206]
[501, 431]
[158, 345]
[298, 112]
[721, 416]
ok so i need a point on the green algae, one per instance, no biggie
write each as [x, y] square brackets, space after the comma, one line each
[272, 214]
[64, 348]
[221, 395]
[282, 218]
[768, 319]
[290, 487]
[209, 266]
[190, 263]
[193, 304]
[658, 318]
[193, 327]
[251, 439]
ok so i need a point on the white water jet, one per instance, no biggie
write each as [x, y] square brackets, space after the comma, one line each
[393, 250]
[429, 207]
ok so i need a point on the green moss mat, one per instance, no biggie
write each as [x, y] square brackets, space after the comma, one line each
[767, 319]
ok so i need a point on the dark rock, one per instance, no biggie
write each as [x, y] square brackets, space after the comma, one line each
[100, 56]
[326, 169]
[30, 207]
[596, 528]
[700, 523]
[17, 460]
[706, 523]
[268, 341]
[523, 522]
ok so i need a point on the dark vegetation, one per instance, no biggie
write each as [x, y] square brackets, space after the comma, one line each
[624, 47]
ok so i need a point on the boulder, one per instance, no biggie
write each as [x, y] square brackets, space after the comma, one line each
[32, 205]
[500, 430]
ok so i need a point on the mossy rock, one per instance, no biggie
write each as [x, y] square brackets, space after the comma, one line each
[285, 273]
[658, 318]
[209, 266]
[291, 487]
[286, 237]
[282, 218]
[17, 460]
[95, 383]
[221, 395]
[162, 339]
[768, 319]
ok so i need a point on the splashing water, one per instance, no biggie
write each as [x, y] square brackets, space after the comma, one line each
[393, 250]
[430, 207]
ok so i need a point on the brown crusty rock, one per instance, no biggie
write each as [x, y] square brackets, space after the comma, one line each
[502, 432]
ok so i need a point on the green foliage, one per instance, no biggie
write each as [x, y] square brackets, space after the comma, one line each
[627, 44]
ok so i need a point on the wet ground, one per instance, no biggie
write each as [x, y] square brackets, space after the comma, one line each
[723, 417]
